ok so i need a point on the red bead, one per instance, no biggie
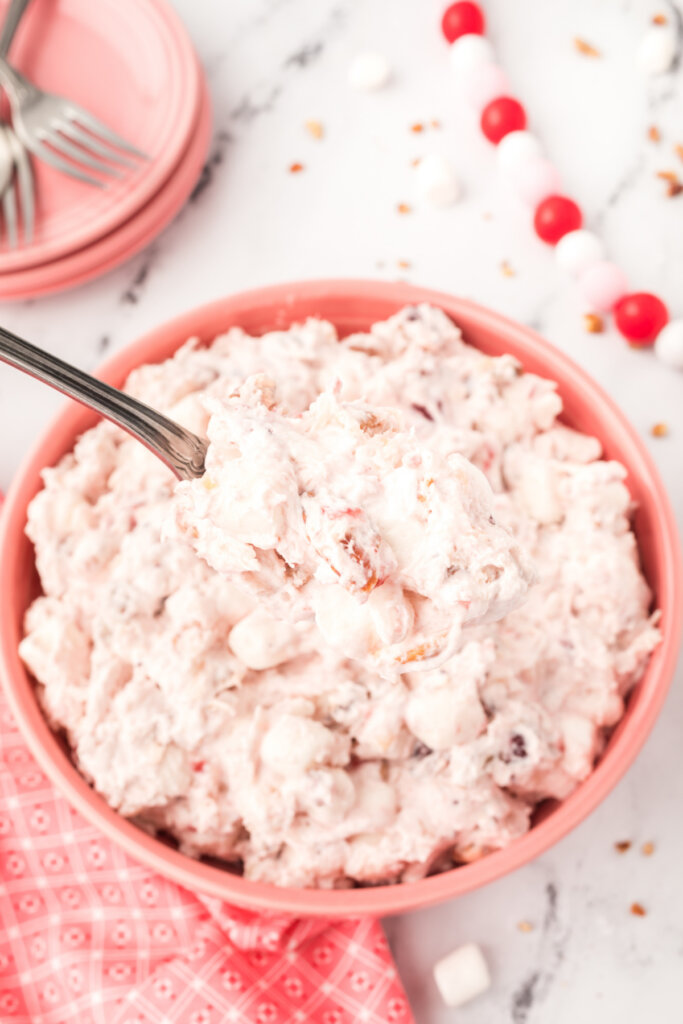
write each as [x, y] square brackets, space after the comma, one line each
[555, 217]
[502, 116]
[462, 19]
[640, 317]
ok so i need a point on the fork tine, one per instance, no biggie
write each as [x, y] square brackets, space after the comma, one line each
[9, 210]
[88, 141]
[26, 187]
[77, 113]
[49, 156]
[78, 155]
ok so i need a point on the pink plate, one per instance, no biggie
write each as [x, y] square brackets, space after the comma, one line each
[353, 306]
[132, 64]
[130, 238]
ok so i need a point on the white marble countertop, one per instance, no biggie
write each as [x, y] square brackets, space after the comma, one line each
[273, 64]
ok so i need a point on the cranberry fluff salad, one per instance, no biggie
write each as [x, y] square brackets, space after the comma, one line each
[402, 607]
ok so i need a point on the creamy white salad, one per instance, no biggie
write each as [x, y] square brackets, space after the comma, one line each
[402, 608]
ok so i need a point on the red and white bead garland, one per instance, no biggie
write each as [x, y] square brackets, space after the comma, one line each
[642, 318]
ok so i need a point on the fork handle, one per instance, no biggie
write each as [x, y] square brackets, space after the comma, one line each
[14, 16]
[181, 450]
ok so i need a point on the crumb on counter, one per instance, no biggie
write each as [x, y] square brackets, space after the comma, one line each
[507, 270]
[404, 264]
[315, 129]
[417, 127]
[638, 910]
[586, 49]
[404, 208]
[654, 134]
[623, 845]
[295, 168]
[659, 19]
[593, 323]
[647, 849]
[525, 926]
[679, 150]
[659, 430]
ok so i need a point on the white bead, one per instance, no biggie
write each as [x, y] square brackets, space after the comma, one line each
[436, 181]
[369, 71]
[577, 251]
[462, 975]
[656, 51]
[515, 149]
[669, 344]
[294, 744]
[469, 50]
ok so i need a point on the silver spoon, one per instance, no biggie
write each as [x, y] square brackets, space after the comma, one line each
[181, 450]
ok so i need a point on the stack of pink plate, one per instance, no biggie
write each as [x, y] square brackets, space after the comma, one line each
[132, 64]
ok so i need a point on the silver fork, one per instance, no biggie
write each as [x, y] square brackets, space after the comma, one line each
[55, 128]
[13, 156]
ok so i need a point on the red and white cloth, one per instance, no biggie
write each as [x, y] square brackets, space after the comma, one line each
[88, 936]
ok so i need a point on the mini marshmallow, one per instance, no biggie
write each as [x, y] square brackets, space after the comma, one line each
[436, 181]
[468, 51]
[369, 72]
[669, 344]
[462, 975]
[578, 250]
[294, 744]
[261, 641]
[656, 51]
[516, 149]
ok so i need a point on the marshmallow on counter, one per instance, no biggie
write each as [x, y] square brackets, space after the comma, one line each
[657, 51]
[369, 72]
[462, 975]
[437, 184]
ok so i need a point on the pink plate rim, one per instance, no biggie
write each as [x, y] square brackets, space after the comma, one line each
[184, 98]
[273, 307]
[123, 243]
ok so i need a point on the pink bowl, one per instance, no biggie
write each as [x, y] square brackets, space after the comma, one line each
[353, 305]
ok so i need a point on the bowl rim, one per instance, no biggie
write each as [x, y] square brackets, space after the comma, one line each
[385, 899]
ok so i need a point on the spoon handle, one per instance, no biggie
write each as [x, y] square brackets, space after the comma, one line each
[182, 451]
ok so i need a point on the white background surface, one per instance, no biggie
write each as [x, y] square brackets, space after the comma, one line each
[273, 64]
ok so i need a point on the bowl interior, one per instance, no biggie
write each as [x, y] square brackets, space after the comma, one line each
[353, 306]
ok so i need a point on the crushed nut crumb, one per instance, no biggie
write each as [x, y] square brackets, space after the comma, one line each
[585, 48]
[434, 123]
[653, 133]
[417, 127]
[415, 161]
[667, 175]
[623, 845]
[525, 926]
[593, 323]
[404, 208]
[674, 188]
[647, 849]
[315, 129]
[506, 270]
[659, 19]
[295, 168]
[659, 430]
[638, 909]
[403, 264]
[678, 148]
